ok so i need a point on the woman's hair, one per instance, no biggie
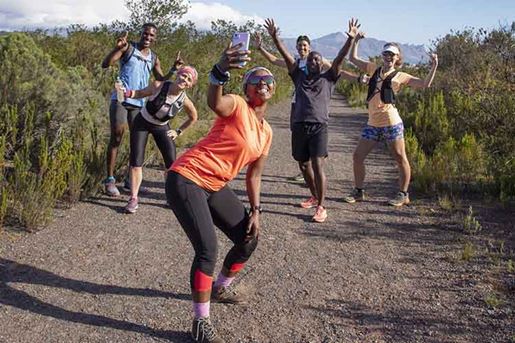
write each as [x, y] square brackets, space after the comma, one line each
[303, 38]
[189, 70]
[248, 74]
[401, 59]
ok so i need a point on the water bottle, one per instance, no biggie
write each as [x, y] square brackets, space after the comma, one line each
[364, 78]
[120, 90]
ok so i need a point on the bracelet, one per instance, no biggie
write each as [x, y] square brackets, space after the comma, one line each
[129, 93]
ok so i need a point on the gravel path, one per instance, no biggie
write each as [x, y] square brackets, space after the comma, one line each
[371, 273]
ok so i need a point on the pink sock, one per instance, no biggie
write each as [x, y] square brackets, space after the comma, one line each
[201, 310]
[223, 280]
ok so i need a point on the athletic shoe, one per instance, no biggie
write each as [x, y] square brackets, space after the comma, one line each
[399, 200]
[203, 331]
[297, 178]
[132, 205]
[225, 296]
[355, 195]
[110, 187]
[310, 203]
[320, 215]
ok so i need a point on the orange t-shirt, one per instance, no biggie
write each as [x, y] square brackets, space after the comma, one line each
[379, 113]
[231, 144]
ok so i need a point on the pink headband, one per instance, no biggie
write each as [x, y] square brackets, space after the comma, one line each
[189, 70]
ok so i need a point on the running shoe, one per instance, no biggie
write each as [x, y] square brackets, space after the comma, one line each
[399, 200]
[320, 215]
[310, 203]
[132, 205]
[355, 195]
[226, 296]
[297, 178]
[110, 187]
[203, 331]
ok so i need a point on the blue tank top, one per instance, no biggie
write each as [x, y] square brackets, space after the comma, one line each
[135, 70]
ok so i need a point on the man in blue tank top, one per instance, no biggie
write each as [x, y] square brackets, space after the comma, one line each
[137, 63]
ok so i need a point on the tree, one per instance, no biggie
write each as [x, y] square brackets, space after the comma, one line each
[162, 13]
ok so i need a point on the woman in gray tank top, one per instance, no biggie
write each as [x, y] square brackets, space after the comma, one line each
[166, 100]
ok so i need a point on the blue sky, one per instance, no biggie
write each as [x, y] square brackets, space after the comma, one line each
[415, 21]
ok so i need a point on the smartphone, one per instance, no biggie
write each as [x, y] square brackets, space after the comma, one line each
[244, 39]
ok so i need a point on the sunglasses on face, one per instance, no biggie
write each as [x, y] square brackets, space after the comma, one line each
[256, 79]
[388, 54]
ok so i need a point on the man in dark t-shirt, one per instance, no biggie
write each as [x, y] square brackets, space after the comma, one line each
[311, 113]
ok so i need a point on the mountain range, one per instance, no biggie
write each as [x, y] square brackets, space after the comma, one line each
[330, 44]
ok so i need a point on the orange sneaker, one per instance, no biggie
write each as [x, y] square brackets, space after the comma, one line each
[320, 215]
[310, 203]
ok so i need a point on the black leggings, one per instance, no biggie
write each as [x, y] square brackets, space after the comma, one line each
[140, 129]
[198, 211]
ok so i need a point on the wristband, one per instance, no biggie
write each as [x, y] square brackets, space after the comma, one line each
[179, 131]
[173, 70]
[129, 93]
[214, 81]
[219, 74]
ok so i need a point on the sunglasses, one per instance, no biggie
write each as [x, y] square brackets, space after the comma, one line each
[388, 54]
[256, 79]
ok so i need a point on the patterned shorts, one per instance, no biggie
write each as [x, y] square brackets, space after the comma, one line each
[387, 133]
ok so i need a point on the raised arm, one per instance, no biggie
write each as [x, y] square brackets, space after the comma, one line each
[253, 182]
[351, 34]
[415, 82]
[274, 33]
[358, 62]
[158, 73]
[258, 43]
[231, 58]
[120, 48]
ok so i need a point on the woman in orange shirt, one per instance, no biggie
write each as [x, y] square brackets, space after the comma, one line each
[197, 189]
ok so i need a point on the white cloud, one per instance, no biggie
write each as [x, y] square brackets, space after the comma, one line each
[27, 14]
[202, 15]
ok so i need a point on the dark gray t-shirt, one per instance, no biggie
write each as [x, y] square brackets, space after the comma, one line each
[312, 96]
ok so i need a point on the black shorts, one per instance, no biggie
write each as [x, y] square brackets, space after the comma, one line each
[309, 140]
[122, 114]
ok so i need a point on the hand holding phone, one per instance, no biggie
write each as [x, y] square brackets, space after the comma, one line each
[243, 39]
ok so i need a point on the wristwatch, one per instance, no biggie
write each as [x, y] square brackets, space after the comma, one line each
[257, 209]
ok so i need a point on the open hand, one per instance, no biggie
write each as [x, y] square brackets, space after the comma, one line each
[273, 30]
[353, 28]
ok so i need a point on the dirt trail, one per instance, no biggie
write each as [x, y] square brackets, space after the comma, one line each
[371, 273]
